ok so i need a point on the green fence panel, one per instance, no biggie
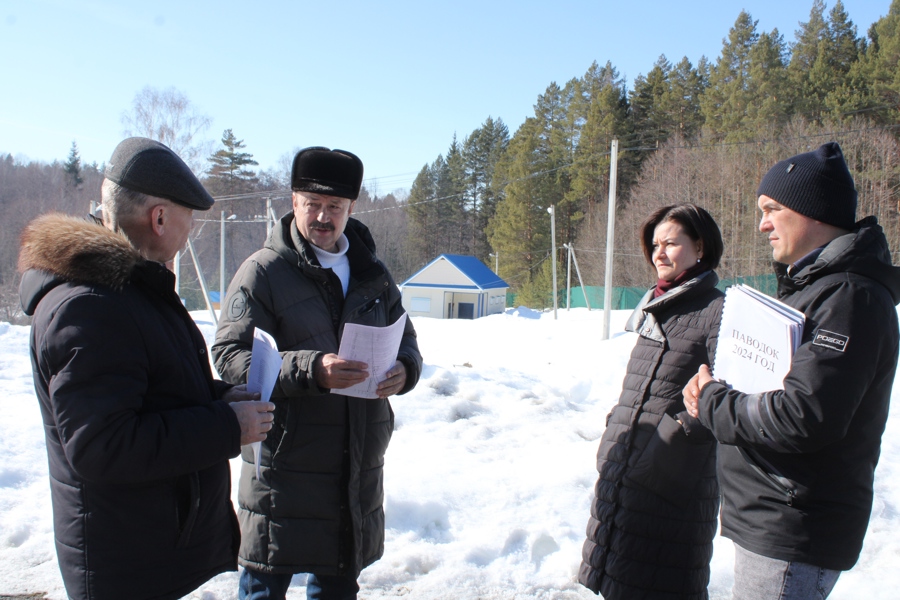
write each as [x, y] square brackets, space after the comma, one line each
[626, 298]
[767, 284]
[623, 298]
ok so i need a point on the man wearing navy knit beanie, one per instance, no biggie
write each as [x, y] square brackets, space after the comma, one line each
[796, 465]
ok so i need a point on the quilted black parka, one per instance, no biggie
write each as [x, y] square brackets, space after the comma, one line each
[653, 517]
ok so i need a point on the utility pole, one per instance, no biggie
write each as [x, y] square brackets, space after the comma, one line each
[202, 281]
[568, 276]
[552, 212]
[610, 235]
[574, 257]
[269, 217]
[176, 266]
[580, 280]
[222, 265]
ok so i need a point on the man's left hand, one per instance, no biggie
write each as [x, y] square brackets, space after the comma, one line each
[394, 381]
[239, 393]
[691, 392]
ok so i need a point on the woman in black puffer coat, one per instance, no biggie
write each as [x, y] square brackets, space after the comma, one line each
[653, 517]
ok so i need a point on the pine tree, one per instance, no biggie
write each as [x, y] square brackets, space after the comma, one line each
[437, 219]
[228, 174]
[725, 101]
[666, 102]
[839, 52]
[72, 167]
[844, 44]
[769, 103]
[481, 151]
[686, 87]
[885, 64]
[821, 62]
[422, 218]
[872, 84]
[804, 55]
[653, 112]
[453, 221]
[534, 170]
[519, 231]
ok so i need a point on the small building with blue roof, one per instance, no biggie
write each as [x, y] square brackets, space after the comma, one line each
[453, 286]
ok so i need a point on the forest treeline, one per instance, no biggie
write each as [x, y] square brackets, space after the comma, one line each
[701, 132]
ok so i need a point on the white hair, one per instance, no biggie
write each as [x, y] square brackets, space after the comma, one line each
[120, 205]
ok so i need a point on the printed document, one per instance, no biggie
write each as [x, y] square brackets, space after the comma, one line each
[757, 340]
[265, 365]
[375, 346]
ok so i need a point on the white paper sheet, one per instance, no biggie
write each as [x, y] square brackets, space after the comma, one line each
[757, 339]
[265, 365]
[375, 346]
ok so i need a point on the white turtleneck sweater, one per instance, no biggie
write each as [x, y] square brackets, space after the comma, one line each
[336, 261]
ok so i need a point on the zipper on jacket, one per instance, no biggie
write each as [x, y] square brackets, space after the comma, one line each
[778, 482]
[367, 308]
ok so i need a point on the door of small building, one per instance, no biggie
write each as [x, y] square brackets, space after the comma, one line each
[466, 310]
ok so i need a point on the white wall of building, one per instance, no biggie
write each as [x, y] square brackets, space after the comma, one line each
[423, 302]
[438, 303]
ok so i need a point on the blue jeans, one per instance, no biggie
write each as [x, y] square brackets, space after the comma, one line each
[256, 585]
[758, 577]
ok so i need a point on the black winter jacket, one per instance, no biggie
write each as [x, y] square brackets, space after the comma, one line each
[138, 445]
[797, 465]
[653, 518]
[319, 504]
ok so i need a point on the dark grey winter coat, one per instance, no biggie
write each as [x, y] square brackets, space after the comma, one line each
[318, 505]
[138, 445]
[653, 517]
[797, 465]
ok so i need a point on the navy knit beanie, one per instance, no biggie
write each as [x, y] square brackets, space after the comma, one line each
[815, 184]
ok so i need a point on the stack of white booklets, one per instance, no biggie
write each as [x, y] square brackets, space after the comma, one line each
[757, 340]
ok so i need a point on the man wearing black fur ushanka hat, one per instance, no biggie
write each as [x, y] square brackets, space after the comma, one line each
[316, 506]
[796, 465]
[138, 433]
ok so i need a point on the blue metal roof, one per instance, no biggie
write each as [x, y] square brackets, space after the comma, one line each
[476, 271]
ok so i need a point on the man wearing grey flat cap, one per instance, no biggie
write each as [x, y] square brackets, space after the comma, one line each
[317, 505]
[138, 432]
[796, 465]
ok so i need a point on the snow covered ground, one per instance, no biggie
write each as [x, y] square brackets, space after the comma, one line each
[488, 476]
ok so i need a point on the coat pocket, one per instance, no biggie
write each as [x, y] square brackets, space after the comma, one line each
[671, 465]
[187, 505]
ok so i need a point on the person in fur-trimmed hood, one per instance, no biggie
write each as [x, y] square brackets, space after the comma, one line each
[797, 465]
[138, 432]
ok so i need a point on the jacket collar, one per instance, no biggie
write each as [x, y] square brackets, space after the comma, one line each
[643, 319]
[59, 248]
[863, 251]
[285, 239]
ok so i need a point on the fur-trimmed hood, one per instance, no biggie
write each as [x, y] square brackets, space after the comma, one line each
[56, 248]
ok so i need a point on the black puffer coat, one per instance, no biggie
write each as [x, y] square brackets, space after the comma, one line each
[137, 443]
[319, 504]
[797, 465]
[653, 517]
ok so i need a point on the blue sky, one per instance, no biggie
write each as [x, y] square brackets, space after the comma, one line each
[391, 81]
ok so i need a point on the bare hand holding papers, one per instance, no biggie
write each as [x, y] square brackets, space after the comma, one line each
[265, 365]
[757, 339]
[375, 346]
